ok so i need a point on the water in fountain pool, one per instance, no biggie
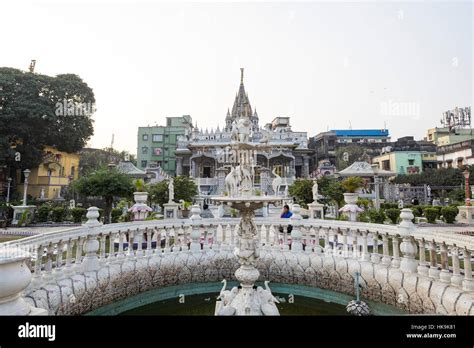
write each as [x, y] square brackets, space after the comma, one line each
[204, 304]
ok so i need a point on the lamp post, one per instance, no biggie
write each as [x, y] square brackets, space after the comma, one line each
[26, 172]
[8, 189]
[466, 186]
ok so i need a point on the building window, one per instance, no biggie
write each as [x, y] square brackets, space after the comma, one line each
[411, 162]
[144, 150]
[157, 138]
[145, 137]
[73, 170]
[144, 164]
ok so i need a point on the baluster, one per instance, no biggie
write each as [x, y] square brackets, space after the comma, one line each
[327, 245]
[423, 266]
[103, 239]
[285, 245]
[167, 241]
[138, 237]
[456, 279]
[220, 236]
[112, 238]
[232, 240]
[130, 252]
[48, 266]
[468, 282]
[276, 237]
[396, 252]
[172, 234]
[37, 275]
[78, 258]
[345, 246]
[375, 258]
[69, 255]
[445, 275]
[205, 244]
[308, 240]
[120, 253]
[365, 249]
[149, 237]
[263, 232]
[386, 259]
[58, 272]
[188, 237]
[355, 244]
[317, 248]
[433, 271]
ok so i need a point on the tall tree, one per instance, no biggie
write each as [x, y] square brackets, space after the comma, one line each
[33, 115]
[108, 184]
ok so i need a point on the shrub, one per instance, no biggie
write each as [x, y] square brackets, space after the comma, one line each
[43, 213]
[376, 217]
[78, 214]
[365, 203]
[417, 210]
[116, 214]
[58, 214]
[363, 217]
[351, 184]
[431, 214]
[387, 205]
[393, 214]
[449, 214]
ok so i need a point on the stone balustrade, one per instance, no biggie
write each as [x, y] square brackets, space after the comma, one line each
[425, 271]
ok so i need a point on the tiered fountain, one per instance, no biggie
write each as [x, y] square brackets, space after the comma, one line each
[245, 299]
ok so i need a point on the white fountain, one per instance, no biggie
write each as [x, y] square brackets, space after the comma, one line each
[245, 299]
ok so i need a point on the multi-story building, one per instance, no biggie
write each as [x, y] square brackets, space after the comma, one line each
[325, 144]
[55, 173]
[157, 144]
[407, 156]
[284, 153]
[445, 136]
[456, 155]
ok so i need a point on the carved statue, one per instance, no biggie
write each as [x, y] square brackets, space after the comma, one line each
[243, 126]
[266, 136]
[226, 297]
[315, 191]
[231, 181]
[245, 178]
[234, 134]
[276, 182]
[268, 300]
[171, 190]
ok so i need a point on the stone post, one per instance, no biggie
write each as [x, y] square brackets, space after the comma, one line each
[296, 244]
[92, 217]
[408, 247]
[196, 230]
[468, 282]
[90, 262]
[456, 279]
[15, 277]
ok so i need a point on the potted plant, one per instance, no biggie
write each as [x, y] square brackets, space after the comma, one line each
[185, 210]
[140, 195]
[351, 185]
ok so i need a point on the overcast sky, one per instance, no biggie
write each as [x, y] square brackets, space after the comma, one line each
[325, 64]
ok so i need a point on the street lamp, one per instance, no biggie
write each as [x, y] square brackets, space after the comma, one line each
[26, 172]
[466, 186]
[8, 189]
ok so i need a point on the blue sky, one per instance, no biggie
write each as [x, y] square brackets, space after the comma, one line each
[325, 64]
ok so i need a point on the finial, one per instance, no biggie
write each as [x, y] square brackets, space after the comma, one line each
[241, 75]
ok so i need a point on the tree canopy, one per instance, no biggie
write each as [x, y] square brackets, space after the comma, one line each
[32, 115]
[107, 184]
[184, 188]
[347, 155]
[94, 159]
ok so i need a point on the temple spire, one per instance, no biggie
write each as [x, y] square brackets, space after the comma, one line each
[242, 75]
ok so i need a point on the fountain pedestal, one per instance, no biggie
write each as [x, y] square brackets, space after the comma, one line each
[247, 299]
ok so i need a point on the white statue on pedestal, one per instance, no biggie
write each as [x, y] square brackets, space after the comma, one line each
[42, 193]
[276, 182]
[315, 191]
[171, 190]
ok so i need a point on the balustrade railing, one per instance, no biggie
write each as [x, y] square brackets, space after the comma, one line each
[443, 256]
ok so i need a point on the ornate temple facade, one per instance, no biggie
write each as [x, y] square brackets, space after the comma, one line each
[206, 155]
